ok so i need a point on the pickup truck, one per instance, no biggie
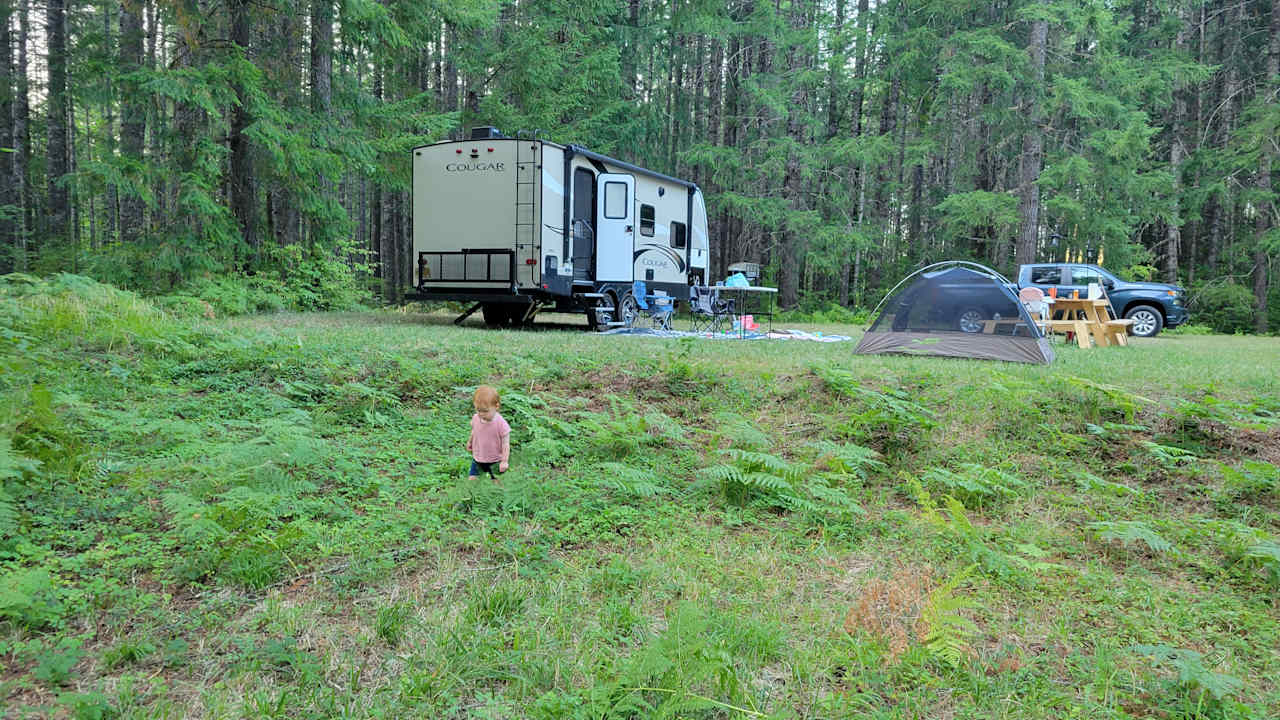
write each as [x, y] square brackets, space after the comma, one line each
[1151, 306]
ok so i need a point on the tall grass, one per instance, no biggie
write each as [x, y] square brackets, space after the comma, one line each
[71, 309]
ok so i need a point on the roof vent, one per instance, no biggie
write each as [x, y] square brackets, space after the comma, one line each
[486, 132]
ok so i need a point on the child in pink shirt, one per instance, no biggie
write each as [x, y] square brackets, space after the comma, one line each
[490, 440]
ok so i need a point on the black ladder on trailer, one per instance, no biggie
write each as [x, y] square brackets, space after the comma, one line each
[528, 168]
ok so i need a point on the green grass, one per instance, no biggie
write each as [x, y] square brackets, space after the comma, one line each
[270, 517]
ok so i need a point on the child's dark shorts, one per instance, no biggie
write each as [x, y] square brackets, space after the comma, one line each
[478, 467]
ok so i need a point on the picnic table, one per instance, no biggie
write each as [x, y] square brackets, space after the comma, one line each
[1090, 321]
[1086, 320]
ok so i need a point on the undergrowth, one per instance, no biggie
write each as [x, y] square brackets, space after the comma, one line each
[271, 518]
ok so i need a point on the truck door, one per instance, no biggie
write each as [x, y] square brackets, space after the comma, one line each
[1077, 279]
[615, 239]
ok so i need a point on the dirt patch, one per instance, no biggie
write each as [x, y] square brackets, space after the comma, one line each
[1263, 445]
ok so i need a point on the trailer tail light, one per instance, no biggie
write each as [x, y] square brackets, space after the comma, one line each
[490, 149]
[530, 261]
[459, 151]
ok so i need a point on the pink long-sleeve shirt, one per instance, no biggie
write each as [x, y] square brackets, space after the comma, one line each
[487, 438]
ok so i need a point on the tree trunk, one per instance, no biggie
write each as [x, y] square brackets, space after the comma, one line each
[451, 71]
[1032, 158]
[321, 57]
[111, 201]
[157, 110]
[133, 115]
[8, 241]
[792, 251]
[286, 66]
[1267, 212]
[22, 144]
[1219, 211]
[629, 48]
[243, 192]
[836, 71]
[322, 97]
[59, 211]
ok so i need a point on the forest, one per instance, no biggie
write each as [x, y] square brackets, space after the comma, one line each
[182, 146]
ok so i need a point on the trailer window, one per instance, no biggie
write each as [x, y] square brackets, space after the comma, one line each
[646, 220]
[678, 237]
[615, 200]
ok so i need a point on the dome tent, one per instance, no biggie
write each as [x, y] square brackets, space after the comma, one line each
[956, 309]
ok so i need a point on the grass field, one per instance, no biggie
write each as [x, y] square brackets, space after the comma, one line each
[269, 517]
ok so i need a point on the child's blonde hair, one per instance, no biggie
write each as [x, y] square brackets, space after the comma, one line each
[486, 398]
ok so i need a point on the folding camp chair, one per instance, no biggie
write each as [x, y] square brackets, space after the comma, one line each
[658, 307]
[1032, 298]
[703, 312]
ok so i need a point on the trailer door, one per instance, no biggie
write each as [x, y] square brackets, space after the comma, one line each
[615, 240]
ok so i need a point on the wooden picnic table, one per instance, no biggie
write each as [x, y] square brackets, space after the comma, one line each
[1088, 320]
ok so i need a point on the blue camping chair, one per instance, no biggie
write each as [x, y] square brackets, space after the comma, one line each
[659, 309]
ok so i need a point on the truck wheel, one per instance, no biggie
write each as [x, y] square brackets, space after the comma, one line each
[971, 320]
[496, 314]
[1147, 321]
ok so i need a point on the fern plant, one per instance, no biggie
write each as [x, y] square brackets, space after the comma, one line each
[951, 518]
[737, 431]
[976, 485]
[1093, 483]
[760, 478]
[847, 459]
[1195, 675]
[1131, 532]
[887, 418]
[629, 480]
[1253, 480]
[1169, 456]
[944, 629]
[688, 671]
[1126, 403]
[1266, 554]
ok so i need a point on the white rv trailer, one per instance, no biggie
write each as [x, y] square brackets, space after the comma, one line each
[517, 225]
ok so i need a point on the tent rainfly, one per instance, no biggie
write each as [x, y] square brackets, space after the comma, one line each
[956, 309]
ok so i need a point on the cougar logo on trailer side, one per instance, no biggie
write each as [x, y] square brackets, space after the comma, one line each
[474, 167]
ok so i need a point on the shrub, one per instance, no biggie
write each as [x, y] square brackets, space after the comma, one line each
[1227, 308]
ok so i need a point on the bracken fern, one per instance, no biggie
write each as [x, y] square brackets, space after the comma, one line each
[945, 631]
[1132, 532]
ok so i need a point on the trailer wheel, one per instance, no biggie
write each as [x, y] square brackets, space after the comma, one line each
[628, 309]
[496, 314]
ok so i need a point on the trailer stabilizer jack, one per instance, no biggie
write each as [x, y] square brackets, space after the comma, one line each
[470, 311]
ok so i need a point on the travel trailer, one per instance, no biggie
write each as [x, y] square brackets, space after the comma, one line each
[518, 225]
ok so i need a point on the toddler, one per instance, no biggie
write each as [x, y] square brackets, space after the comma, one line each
[490, 441]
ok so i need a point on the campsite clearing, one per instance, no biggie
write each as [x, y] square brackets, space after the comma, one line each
[269, 515]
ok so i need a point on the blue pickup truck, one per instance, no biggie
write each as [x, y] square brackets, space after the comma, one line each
[1151, 306]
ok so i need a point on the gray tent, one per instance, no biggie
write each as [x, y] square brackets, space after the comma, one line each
[956, 309]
